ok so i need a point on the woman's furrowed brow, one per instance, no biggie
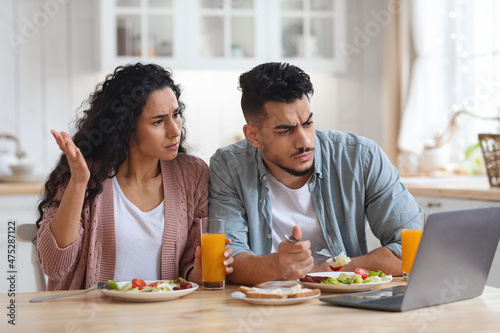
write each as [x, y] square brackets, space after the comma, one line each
[161, 116]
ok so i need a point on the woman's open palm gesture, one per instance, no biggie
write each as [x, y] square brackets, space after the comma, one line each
[80, 172]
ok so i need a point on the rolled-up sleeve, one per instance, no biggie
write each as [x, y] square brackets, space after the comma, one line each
[386, 198]
[224, 201]
[56, 262]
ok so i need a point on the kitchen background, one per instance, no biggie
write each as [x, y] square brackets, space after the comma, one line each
[378, 66]
[53, 58]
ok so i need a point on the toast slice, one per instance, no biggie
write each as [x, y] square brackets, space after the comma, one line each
[279, 293]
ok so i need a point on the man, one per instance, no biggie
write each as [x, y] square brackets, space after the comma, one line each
[320, 188]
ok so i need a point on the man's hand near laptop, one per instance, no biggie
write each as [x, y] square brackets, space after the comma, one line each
[294, 260]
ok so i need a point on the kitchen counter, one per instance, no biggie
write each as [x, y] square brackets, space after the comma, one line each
[472, 188]
[21, 188]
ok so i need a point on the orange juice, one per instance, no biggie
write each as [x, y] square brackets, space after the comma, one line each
[212, 254]
[410, 239]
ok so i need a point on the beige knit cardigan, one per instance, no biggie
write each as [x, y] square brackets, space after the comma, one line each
[92, 257]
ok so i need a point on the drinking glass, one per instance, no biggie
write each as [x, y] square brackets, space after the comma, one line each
[412, 225]
[213, 244]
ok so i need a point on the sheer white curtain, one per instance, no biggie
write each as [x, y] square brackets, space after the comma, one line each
[456, 67]
[425, 114]
[478, 84]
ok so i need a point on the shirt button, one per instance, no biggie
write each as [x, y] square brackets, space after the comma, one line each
[264, 178]
[260, 200]
[269, 236]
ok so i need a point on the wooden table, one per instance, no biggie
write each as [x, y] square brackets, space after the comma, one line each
[217, 311]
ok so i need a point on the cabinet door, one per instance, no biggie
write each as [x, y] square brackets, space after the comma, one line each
[222, 34]
[434, 204]
[228, 34]
[139, 30]
[309, 33]
[21, 210]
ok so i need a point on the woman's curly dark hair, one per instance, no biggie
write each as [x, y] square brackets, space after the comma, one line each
[108, 125]
[273, 81]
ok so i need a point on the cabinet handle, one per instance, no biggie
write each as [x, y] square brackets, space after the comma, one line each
[433, 204]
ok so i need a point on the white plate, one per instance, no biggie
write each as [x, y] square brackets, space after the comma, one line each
[148, 296]
[272, 301]
[341, 287]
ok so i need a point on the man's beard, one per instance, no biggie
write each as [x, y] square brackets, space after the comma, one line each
[297, 173]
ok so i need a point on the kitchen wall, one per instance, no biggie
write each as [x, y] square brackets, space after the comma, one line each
[49, 63]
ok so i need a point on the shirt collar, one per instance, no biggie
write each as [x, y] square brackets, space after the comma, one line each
[262, 167]
[318, 159]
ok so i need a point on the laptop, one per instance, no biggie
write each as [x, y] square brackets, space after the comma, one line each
[452, 263]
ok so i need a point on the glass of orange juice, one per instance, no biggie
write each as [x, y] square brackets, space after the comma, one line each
[411, 233]
[213, 244]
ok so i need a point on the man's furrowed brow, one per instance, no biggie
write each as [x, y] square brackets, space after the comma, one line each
[282, 127]
[308, 119]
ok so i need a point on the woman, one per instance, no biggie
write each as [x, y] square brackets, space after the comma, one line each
[124, 199]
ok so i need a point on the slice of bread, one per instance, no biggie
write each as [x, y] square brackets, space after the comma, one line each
[279, 293]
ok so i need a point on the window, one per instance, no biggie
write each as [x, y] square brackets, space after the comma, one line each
[455, 87]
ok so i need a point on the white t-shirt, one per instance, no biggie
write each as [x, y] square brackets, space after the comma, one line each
[138, 239]
[295, 207]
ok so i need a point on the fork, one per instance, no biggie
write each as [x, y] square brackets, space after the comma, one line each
[293, 240]
[98, 285]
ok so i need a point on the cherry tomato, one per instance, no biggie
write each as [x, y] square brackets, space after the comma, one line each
[338, 268]
[154, 284]
[183, 285]
[361, 271]
[138, 283]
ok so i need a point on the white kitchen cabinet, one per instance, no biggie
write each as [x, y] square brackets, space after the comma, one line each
[22, 210]
[212, 34]
[434, 204]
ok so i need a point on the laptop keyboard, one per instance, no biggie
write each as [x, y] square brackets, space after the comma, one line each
[386, 301]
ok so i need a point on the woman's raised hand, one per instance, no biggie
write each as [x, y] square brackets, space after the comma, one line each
[80, 172]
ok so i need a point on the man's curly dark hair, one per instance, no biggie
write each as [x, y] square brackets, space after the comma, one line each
[109, 124]
[274, 81]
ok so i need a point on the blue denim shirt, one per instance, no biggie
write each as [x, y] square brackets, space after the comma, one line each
[354, 183]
